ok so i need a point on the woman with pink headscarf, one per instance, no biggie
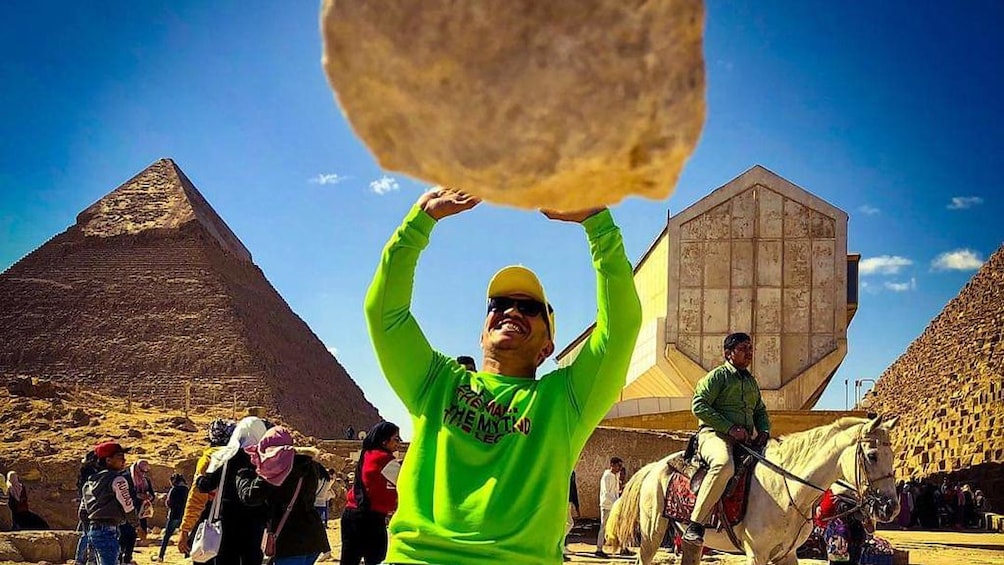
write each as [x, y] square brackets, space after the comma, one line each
[17, 499]
[141, 489]
[284, 480]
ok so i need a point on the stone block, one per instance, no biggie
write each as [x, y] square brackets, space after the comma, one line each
[564, 104]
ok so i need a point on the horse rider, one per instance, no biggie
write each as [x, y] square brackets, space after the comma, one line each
[727, 403]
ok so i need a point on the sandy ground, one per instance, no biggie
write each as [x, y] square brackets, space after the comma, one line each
[926, 548]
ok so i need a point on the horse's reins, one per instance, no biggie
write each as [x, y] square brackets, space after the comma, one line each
[858, 503]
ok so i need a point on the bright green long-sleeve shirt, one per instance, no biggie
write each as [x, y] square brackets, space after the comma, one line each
[485, 479]
[728, 396]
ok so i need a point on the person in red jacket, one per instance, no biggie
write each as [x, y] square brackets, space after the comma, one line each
[844, 535]
[372, 498]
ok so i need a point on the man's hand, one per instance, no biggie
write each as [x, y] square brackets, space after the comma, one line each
[738, 433]
[577, 217]
[183, 545]
[441, 202]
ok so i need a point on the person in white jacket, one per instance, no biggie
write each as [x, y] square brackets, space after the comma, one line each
[610, 488]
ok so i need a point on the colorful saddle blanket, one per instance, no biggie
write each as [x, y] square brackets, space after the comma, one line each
[681, 498]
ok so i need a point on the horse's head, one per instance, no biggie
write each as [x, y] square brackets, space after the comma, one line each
[868, 465]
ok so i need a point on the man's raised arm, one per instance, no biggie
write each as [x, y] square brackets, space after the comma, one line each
[598, 372]
[402, 349]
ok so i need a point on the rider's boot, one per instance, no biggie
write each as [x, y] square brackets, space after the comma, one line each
[694, 534]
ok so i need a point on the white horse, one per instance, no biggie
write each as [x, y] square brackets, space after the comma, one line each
[778, 515]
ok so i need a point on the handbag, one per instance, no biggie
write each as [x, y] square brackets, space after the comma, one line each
[268, 539]
[209, 534]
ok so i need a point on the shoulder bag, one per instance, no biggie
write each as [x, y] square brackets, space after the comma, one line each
[209, 534]
[268, 540]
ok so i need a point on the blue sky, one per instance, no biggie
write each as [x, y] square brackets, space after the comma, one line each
[891, 111]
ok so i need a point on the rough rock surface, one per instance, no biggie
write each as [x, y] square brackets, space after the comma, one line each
[565, 104]
[54, 546]
[150, 291]
[948, 388]
[50, 473]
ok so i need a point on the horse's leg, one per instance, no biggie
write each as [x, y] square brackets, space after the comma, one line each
[653, 528]
[650, 520]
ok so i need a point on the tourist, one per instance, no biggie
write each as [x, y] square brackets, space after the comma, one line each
[905, 516]
[610, 488]
[88, 467]
[17, 499]
[844, 534]
[350, 433]
[372, 498]
[198, 502]
[107, 503]
[6, 520]
[467, 362]
[967, 507]
[981, 508]
[141, 489]
[486, 473]
[727, 403]
[573, 506]
[242, 526]
[284, 481]
[323, 493]
[175, 503]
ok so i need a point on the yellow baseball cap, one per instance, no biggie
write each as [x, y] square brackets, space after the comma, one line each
[517, 279]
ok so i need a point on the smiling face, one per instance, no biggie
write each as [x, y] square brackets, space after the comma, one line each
[512, 333]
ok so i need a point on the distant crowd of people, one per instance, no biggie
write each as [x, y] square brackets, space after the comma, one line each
[951, 505]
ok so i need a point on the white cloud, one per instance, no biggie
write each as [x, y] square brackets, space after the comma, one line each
[868, 210]
[384, 185]
[333, 350]
[901, 286]
[958, 260]
[883, 265]
[964, 202]
[327, 178]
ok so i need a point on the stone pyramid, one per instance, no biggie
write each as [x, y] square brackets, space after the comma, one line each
[948, 388]
[150, 290]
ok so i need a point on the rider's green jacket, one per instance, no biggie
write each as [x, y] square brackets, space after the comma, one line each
[728, 396]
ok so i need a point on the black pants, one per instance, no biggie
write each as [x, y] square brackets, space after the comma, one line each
[27, 520]
[127, 542]
[364, 536]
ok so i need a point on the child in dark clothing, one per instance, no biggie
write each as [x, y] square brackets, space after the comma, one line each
[175, 503]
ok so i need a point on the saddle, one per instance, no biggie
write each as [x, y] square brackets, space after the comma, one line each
[686, 476]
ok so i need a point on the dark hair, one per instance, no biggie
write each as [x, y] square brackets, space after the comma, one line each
[734, 339]
[88, 467]
[616, 461]
[177, 479]
[374, 440]
[466, 360]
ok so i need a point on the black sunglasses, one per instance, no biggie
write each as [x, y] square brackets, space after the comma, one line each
[525, 306]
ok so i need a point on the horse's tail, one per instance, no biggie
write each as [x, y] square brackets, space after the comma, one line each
[626, 511]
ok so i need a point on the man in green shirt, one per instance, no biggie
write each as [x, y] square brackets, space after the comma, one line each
[727, 402]
[485, 479]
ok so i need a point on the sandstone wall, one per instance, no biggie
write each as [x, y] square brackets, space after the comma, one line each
[948, 388]
[636, 447]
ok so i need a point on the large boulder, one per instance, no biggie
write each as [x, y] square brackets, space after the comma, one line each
[40, 546]
[564, 104]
